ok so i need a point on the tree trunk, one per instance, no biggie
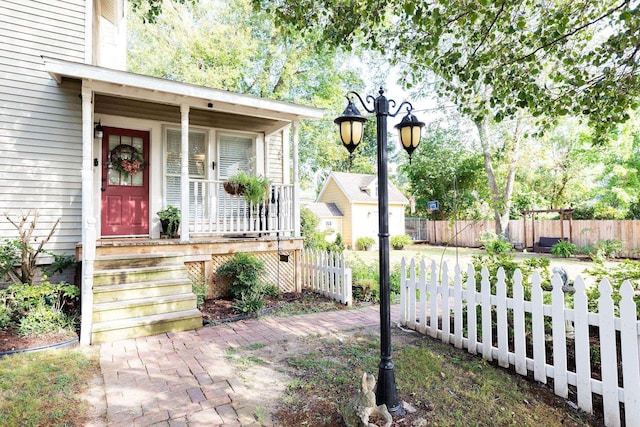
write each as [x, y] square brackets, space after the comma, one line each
[500, 197]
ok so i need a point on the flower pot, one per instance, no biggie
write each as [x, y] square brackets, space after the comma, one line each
[173, 233]
[233, 189]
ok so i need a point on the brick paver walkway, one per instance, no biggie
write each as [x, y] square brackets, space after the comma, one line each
[183, 379]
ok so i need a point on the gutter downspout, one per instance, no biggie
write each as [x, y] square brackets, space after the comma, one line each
[88, 218]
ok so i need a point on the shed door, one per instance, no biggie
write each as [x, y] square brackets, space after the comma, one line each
[125, 182]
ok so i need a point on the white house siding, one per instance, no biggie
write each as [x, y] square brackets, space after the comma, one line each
[275, 158]
[40, 121]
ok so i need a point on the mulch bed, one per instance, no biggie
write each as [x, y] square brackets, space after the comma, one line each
[10, 340]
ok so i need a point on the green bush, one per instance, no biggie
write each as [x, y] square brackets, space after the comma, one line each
[365, 243]
[249, 303]
[564, 249]
[44, 319]
[616, 275]
[609, 248]
[246, 288]
[400, 241]
[39, 308]
[244, 270]
[494, 243]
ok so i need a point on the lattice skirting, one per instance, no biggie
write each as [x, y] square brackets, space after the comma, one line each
[278, 272]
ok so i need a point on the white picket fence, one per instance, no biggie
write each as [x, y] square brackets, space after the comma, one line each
[427, 295]
[326, 273]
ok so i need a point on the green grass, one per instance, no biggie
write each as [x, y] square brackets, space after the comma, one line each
[447, 386]
[44, 388]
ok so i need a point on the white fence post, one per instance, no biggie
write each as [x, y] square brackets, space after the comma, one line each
[537, 325]
[608, 358]
[582, 347]
[518, 325]
[560, 385]
[630, 341]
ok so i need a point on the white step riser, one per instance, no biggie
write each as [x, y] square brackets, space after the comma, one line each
[108, 295]
[116, 277]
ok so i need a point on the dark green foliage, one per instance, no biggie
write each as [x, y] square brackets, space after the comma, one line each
[244, 270]
[249, 302]
[60, 263]
[39, 308]
[564, 249]
[246, 287]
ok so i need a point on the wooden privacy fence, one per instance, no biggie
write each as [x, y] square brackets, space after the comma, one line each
[497, 326]
[326, 273]
[582, 232]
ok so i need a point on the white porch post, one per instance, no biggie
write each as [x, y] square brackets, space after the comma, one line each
[296, 183]
[184, 174]
[88, 218]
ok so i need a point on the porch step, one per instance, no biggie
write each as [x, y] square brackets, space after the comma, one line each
[146, 325]
[141, 295]
[128, 291]
[140, 307]
[117, 276]
[110, 262]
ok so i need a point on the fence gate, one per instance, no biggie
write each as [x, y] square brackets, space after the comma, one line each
[417, 229]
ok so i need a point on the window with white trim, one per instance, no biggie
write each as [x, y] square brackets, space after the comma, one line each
[173, 163]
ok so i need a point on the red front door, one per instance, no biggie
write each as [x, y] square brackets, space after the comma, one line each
[125, 182]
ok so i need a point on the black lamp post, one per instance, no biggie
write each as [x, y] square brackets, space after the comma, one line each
[351, 126]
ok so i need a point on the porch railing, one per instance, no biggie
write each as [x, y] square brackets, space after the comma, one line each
[214, 211]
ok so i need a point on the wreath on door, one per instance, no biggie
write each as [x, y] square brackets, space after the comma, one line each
[126, 159]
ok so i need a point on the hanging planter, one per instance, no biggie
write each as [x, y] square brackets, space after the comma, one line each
[127, 160]
[255, 189]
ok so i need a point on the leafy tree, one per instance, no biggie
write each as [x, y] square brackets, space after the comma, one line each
[448, 170]
[495, 60]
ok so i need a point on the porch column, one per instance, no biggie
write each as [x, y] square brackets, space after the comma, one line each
[88, 218]
[184, 174]
[296, 183]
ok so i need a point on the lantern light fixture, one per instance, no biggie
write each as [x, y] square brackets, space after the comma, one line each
[98, 131]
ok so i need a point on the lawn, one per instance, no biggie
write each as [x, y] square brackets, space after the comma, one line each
[46, 388]
[442, 385]
[463, 256]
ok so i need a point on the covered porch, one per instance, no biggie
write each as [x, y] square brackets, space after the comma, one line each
[188, 141]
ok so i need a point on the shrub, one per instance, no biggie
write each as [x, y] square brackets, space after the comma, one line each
[494, 243]
[564, 249]
[246, 288]
[400, 241]
[337, 246]
[608, 248]
[249, 302]
[44, 319]
[365, 243]
[244, 270]
[616, 275]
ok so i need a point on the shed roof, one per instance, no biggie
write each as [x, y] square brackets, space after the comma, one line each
[359, 187]
[324, 210]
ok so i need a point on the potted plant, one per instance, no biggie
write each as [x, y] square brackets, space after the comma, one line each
[254, 189]
[170, 220]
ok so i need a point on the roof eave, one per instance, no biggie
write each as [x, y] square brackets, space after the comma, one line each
[219, 98]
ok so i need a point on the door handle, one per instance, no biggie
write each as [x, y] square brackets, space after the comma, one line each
[103, 189]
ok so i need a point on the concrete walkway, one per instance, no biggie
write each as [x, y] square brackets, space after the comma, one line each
[183, 379]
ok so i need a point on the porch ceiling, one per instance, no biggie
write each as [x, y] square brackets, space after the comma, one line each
[104, 104]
